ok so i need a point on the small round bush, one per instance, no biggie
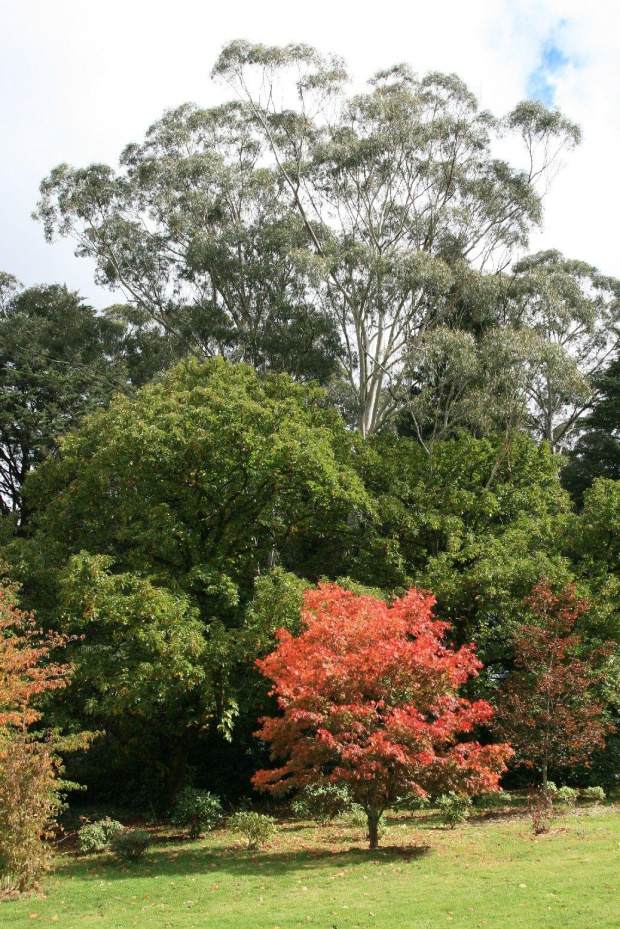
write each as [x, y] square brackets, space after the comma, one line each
[197, 811]
[131, 844]
[567, 796]
[552, 789]
[256, 828]
[322, 802]
[455, 808]
[95, 837]
[596, 794]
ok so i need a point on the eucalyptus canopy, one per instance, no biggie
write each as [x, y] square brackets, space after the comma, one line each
[307, 229]
[400, 190]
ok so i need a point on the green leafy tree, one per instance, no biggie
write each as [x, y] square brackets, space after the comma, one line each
[59, 361]
[478, 524]
[178, 499]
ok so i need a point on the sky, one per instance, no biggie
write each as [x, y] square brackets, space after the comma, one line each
[80, 79]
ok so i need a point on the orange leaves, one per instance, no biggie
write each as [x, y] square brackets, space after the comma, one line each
[28, 789]
[25, 672]
[369, 697]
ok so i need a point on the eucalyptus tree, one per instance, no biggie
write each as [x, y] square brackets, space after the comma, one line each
[195, 230]
[534, 358]
[596, 453]
[568, 315]
[400, 191]
[305, 229]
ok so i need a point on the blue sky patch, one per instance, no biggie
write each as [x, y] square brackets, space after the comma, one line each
[541, 82]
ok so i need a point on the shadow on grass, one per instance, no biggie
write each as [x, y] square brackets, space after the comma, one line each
[237, 862]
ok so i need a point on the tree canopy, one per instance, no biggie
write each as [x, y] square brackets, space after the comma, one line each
[369, 698]
[305, 229]
[161, 512]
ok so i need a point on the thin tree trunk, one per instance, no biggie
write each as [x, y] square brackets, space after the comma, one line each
[373, 828]
[544, 777]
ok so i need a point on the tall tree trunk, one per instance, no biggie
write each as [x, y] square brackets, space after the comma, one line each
[544, 777]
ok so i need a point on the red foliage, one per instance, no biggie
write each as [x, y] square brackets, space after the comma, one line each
[25, 669]
[369, 698]
[29, 789]
[547, 708]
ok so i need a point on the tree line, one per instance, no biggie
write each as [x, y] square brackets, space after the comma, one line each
[336, 362]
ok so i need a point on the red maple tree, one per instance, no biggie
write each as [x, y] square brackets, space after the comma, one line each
[547, 708]
[369, 699]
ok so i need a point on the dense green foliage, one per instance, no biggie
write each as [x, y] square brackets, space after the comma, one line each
[455, 808]
[197, 811]
[131, 844]
[155, 526]
[255, 828]
[59, 360]
[95, 837]
[171, 476]
[178, 529]
[597, 451]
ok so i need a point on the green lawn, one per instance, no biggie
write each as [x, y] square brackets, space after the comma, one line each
[488, 873]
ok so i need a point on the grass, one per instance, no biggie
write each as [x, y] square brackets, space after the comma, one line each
[488, 873]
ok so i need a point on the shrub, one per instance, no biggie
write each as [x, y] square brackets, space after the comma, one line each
[356, 816]
[567, 796]
[413, 803]
[29, 802]
[256, 828]
[597, 794]
[455, 808]
[322, 802]
[540, 806]
[494, 801]
[197, 811]
[131, 844]
[95, 837]
[552, 789]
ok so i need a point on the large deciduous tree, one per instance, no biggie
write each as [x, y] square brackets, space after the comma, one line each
[369, 698]
[548, 708]
[178, 499]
